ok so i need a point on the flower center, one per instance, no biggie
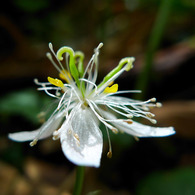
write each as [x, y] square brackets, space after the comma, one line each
[85, 104]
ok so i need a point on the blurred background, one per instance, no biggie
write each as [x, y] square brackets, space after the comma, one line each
[159, 34]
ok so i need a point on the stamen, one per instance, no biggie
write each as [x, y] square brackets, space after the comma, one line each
[129, 116]
[49, 56]
[109, 154]
[69, 102]
[136, 138]
[99, 46]
[87, 81]
[62, 98]
[58, 93]
[52, 61]
[119, 112]
[145, 108]
[153, 121]
[158, 104]
[61, 68]
[100, 118]
[114, 130]
[65, 75]
[41, 83]
[50, 46]
[128, 121]
[46, 91]
[111, 83]
[34, 142]
[55, 135]
[112, 89]
[77, 137]
[56, 82]
[150, 115]
[153, 100]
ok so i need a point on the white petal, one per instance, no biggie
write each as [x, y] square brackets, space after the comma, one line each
[23, 136]
[44, 131]
[82, 140]
[139, 130]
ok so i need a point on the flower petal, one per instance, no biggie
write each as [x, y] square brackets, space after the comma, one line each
[23, 136]
[139, 130]
[81, 139]
[43, 132]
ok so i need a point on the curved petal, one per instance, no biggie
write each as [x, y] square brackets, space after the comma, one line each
[23, 135]
[44, 131]
[81, 139]
[138, 129]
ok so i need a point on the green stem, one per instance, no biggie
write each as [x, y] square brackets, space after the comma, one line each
[79, 180]
[154, 41]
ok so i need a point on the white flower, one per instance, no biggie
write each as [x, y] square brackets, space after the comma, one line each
[83, 105]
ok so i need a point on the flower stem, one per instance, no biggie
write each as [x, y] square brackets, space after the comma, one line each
[79, 180]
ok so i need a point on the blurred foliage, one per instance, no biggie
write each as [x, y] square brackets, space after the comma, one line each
[27, 103]
[146, 167]
[175, 182]
[73, 21]
[31, 6]
[97, 192]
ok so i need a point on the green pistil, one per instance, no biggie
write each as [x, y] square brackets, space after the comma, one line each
[125, 61]
[79, 57]
[73, 69]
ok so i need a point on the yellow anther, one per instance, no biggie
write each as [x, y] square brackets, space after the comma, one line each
[153, 121]
[136, 138]
[109, 154]
[34, 142]
[55, 82]
[128, 121]
[129, 116]
[150, 115]
[65, 75]
[153, 99]
[77, 137]
[56, 135]
[112, 89]
[114, 130]
[111, 83]
[158, 105]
